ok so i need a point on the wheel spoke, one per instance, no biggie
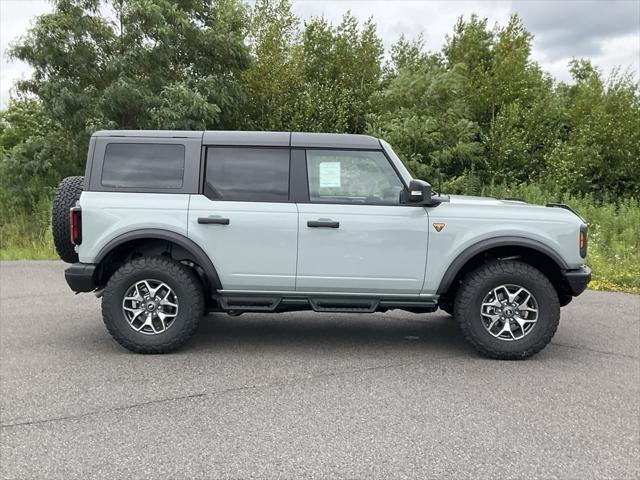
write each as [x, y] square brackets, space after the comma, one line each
[153, 327]
[165, 300]
[526, 320]
[506, 328]
[148, 287]
[135, 311]
[525, 301]
[163, 318]
[512, 296]
[142, 325]
[492, 316]
[494, 303]
[493, 322]
[155, 290]
[504, 291]
[139, 295]
[527, 309]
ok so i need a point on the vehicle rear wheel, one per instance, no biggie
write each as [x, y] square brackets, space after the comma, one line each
[152, 305]
[507, 310]
[67, 194]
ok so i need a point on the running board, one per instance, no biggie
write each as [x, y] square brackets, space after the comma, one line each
[237, 302]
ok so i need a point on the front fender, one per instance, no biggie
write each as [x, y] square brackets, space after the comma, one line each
[471, 229]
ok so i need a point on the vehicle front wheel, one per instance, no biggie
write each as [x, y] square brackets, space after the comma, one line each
[152, 305]
[507, 310]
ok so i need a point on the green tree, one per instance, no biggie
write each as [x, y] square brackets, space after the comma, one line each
[341, 68]
[422, 114]
[602, 150]
[521, 138]
[499, 69]
[153, 64]
[29, 140]
[273, 78]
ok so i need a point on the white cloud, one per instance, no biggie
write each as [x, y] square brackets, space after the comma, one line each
[609, 32]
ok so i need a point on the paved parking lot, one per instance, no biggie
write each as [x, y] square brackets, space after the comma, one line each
[393, 395]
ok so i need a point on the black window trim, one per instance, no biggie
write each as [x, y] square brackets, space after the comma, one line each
[205, 159]
[138, 189]
[298, 175]
[306, 179]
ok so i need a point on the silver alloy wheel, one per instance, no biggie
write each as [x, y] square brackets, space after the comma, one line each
[509, 312]
[150, 306]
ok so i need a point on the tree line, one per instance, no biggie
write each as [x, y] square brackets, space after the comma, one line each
[477, 110]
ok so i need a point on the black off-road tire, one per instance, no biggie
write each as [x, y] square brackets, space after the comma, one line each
[188, 290]
[480, 282]
[67, 194]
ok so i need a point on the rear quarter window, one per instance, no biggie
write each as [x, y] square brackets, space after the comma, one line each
[247, 174]
[143, 165]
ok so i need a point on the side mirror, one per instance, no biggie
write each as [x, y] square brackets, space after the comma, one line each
[419, 192]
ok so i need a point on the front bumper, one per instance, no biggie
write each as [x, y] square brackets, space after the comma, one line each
[79, 277]
[578, 279]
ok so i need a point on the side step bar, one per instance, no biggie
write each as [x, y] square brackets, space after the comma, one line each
[254, 304]
[335, 304]
[344, 305]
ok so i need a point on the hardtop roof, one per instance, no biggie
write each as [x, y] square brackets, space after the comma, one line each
[263, 139]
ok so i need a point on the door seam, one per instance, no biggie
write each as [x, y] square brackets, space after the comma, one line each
[295, 278]
[188, 212]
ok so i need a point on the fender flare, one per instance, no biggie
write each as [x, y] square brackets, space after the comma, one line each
[489, 243]
[201, 258]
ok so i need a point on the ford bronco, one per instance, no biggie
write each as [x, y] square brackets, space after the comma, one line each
[168, 225]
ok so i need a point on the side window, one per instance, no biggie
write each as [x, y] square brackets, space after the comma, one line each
[364, 177]
[247, 174]
[143, 165]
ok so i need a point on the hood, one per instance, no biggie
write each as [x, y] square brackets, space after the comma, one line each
[467, 199]
[558, 208]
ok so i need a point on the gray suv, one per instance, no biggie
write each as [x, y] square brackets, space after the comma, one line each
[168, 225]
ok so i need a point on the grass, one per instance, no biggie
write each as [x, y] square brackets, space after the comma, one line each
[27, 237]
[614, 235]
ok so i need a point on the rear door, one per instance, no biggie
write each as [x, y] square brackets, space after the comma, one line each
[354, 234]
[244, 220]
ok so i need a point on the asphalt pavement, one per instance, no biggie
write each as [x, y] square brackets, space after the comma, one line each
[309, 395]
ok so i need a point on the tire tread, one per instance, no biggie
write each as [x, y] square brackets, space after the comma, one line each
[67, 194]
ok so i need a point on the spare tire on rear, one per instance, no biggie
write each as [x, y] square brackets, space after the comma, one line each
[67, 194]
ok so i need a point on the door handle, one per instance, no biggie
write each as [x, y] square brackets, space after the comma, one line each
[213, 220]
[323, 223]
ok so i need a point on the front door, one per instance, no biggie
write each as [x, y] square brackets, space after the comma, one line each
[244, 220]
[354, 234]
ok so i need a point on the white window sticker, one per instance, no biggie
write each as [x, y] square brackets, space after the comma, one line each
[329, 174]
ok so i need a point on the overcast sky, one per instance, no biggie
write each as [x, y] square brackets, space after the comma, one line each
[608, 32]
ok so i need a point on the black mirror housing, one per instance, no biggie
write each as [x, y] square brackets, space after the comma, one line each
[419, 192]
